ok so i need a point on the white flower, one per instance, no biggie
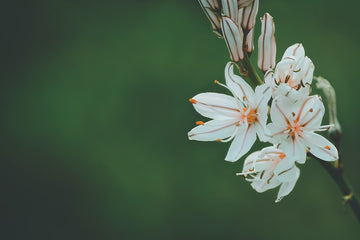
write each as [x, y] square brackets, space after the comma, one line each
[293, 126]
[269, 168]
[239, 117]
[267, 44]
[293, 74]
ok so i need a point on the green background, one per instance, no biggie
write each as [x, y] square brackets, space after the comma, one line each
[95, 114]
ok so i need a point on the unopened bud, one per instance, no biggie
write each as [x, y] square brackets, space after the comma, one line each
[212, 9]
[234, 38]
[267, 44]
[247, 16]
[249, 42]
[329, 92]
[230, 8]
[244, 3]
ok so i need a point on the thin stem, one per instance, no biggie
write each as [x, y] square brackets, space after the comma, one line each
[252, 74]
[247, 70]
[343, 184]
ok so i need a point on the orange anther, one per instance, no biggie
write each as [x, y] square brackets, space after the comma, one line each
[327, 147]
[216, 81]
[193, 101]
[219, 140]
[282, 156]
[199, 123]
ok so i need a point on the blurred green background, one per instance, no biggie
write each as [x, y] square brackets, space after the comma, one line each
[95, 114]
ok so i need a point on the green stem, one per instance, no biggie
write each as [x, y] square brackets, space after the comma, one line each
[349, 196]
[254, 77]
[249, 70]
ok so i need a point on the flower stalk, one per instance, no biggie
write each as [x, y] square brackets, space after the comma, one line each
[338, 176]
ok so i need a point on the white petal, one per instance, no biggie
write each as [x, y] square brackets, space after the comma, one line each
[295, 52]
[241, 89]
[213, 130]
[294, 149]
[216, 106]
[285, 170]
[281, 111]
[304, 71]
[321, 147]
[241, 144]
[311, 112]
[264, 185]
[287, 187]
[234, 38]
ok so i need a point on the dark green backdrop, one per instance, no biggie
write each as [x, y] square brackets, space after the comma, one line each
[95, 114]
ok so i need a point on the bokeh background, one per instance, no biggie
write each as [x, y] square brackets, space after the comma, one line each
[95, 114]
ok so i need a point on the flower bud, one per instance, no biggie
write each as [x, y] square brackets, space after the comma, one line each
[267, 44]
[234, 38]
[230, 8]
[244, 3]
[329, 92]
[249, 42]
[212, 9]
[247, 16]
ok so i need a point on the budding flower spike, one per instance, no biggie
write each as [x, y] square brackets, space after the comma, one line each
[270, 168]
[293, 74]
[237, 118]
[293, 126]
[242, 116]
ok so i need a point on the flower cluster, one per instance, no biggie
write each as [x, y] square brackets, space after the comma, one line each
[242, 117]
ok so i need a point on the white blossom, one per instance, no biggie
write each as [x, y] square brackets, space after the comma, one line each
[269, 168]
[293, 74]
[293, 125]
[239, 117]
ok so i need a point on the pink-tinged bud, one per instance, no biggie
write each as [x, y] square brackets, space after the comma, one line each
[247, 16]
[234, 38]
[267, 44]
[244, 3]
[249, 42]
[212, 9]
[230, 8]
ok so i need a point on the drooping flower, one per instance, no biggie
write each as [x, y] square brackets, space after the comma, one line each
[239, 117]
[269, 168]
[293, 126]
[267, 44]
[293, 74]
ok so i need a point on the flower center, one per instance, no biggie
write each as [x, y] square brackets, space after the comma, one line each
[250, 115]
[295, 130]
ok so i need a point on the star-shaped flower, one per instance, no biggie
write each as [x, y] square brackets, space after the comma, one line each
[239, 117]
[269, 168]
[293, 126]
